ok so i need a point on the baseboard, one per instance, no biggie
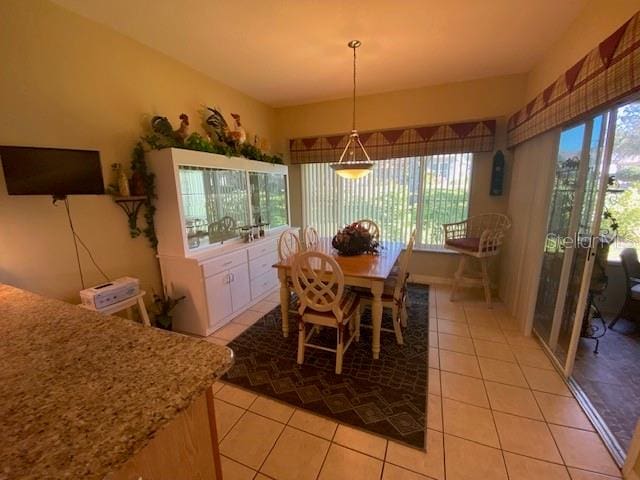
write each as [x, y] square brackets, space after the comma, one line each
[429, 279]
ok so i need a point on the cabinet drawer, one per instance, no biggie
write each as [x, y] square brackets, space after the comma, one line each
[262, 264]
[223, 262]
[262, 284]
[262, 248]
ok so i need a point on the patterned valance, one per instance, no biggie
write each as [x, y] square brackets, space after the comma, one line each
[477, 136]
[608, 73]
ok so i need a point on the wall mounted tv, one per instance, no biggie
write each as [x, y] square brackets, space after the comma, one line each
[51, 171]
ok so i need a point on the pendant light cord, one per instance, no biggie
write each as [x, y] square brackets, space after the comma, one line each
[354, 88]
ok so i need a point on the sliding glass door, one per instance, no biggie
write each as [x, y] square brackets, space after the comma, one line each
[574, 219]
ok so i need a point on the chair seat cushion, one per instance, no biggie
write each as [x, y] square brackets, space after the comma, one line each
[471, 244]
[635, 292]
[348, 304]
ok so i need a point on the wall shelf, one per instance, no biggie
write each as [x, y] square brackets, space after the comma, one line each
[131, 206]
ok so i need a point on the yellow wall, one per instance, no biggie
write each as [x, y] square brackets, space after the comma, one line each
[486, 98]
[598, 20]
[69, 82]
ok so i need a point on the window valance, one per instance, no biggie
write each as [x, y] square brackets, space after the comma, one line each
[468, 137]
[609, 72]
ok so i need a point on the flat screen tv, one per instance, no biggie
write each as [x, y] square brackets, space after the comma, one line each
[51, 171]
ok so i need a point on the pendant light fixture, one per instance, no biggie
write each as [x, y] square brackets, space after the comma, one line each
[349, 166]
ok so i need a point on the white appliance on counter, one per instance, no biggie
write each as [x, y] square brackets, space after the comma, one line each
[200, 255]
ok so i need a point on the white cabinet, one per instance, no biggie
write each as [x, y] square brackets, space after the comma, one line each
[239, 286]
[218, 299]
[201, 198]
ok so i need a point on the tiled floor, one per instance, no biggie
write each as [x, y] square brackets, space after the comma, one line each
[496, 410]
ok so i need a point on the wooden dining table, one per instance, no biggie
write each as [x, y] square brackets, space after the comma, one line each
[367, 271]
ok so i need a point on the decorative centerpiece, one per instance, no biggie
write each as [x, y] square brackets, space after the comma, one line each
[355, 239]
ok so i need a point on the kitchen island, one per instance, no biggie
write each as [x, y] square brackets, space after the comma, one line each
[84, 395]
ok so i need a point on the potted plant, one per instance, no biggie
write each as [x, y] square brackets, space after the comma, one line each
[164, 305]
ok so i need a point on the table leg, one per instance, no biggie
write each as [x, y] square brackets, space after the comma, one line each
[284, 301]
[376, 316]
[143, 313]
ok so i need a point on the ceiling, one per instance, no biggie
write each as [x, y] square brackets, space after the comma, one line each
[286, 52]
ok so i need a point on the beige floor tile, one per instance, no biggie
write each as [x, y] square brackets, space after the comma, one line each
[392, 472]
[274, 296]
[270, 408]
[577, 474]
[226, 417]
[217, 341]
[526, 437]
[297, 455]
[345, 464]
[469, 422]
[562, 411]
[450, 311]
[502, 372]
[517, 339]
[583, 450]
[465, 389]
[248, 317]
[217, 386]
[251, 439]
[490, 334]
[230, 331]
[525, 468]
[433, 339]
[459, 363]
[433, 323]
[545, 381]
[362, 441]
[232, 470]
[467, 460]
[453, 328]
[478, 315]
[434, 359]
[533, 357]
[515, 400]
[429, 463]
[260, 476]
[236, 396]
[313, 424]
[434, 381]
[456, 343]
[494, 350]
[265, 306]
[434, 413]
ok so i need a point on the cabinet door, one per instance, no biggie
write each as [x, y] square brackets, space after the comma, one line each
[218, 298]
[240, 289]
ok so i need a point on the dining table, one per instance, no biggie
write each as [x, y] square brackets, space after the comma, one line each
[367, 270]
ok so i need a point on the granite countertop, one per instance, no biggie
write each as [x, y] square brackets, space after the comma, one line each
[81, 392]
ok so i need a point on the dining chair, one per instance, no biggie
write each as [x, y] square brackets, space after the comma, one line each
[372, 226]
[324, 302]
[309, 237]
[631, 266]
[479, 237]
[394, 294]
[288, 245]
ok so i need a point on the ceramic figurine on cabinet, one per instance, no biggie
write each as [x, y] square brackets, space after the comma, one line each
[238, 134]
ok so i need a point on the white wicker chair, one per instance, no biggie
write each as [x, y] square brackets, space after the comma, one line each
[373, 227]
[309, 237]
[288, 245]
[478, 237]
[394, 295]
[319, 283]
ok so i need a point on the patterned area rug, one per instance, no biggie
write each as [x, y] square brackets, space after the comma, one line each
[386, 397]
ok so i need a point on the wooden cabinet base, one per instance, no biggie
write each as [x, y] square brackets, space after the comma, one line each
[186, 448]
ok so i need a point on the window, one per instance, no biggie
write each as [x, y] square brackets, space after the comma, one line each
[400, 194]
[269, 198]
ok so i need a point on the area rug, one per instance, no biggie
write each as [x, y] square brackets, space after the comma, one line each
[387, 397]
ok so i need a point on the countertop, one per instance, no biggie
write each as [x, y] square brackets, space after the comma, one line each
[81, 392]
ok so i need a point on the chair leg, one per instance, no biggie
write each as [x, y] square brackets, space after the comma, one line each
[458, 276]
[396, 324]
[339, 349]
[404, 315]
[620, 313]
[486, 281]
[302, 336]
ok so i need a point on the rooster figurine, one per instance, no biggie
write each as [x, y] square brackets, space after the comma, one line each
[216, 126]
[239, 134]
[162, 126]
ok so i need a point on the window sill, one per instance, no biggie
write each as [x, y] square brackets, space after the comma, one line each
[434, 249]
